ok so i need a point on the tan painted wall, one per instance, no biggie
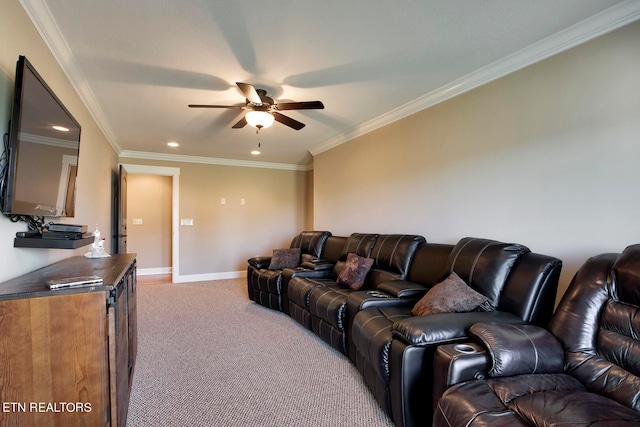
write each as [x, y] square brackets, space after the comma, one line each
[309, 196]
[97, 158]
[223, 237]
[547, 156]
[149, 199]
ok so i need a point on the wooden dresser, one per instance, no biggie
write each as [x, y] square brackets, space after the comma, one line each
[67, 356]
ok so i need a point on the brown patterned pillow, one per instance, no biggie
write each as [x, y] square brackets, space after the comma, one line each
[452, 295]
[285, 258]
[355, 270]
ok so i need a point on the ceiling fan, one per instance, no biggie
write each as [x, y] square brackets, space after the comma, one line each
[263, 110]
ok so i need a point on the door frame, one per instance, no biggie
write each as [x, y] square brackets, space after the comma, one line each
[174, 173]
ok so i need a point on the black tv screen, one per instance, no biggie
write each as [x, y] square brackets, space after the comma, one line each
[43, 148]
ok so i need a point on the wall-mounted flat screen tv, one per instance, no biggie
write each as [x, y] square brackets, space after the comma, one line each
[43, 148]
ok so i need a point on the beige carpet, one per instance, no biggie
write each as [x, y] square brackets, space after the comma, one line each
[208, 356]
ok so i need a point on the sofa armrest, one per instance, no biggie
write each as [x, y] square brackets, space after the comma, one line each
[289, 273]
[519, 349]
[362, 300]
[260, 262]
[457, 363]
[317, 265]
[403, 289]
[444, 328]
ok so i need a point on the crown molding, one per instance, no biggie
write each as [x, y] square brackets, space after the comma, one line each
[40, 15]
[211, 161]
[602, 23]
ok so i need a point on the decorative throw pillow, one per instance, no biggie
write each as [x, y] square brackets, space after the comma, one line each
[355, 270]
[452, 295]
[285, 258]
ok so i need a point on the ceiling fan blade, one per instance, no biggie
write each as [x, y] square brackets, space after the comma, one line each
[287, 121]
[309, 105]
[215, 106]
[241, 123]
[250, 93]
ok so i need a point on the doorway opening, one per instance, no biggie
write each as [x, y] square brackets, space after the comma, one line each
[174, 173]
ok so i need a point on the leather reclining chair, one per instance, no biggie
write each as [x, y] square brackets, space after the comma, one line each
[321, 304]
[395, 350]
[583, 371]
[300, 290]
[428, 263]
[320, 268]
[267, 287]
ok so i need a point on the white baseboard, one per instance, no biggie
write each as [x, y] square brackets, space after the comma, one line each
[209, 276]
[152, 271]
[192, 277]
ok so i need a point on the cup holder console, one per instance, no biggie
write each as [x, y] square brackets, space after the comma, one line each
[377, 294]
[456, 363]
[464, 348]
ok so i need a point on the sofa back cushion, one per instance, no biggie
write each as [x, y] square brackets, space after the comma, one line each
[484, 264]
[360, 244]
[333, 248]
[392, 255]
[531, 288]
[310, 242]
[598, 323]
[428, 263]
[626, 277]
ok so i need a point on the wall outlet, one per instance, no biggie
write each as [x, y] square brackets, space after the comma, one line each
[137, 221]
[242, 202]
[186, 221]
[223, 201]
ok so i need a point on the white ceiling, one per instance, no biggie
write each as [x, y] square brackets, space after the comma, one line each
[137, 64]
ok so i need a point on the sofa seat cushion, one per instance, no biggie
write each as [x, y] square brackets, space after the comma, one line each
[329, 303]
[524, 400]
[371, 334]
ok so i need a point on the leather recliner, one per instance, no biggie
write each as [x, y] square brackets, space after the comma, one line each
[321, 304]
[395, 350]
[300, 288]
[585, 370]
[267, 287]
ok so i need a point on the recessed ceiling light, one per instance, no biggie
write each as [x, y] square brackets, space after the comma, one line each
[61, 128]
[173, 144]
[255, 152]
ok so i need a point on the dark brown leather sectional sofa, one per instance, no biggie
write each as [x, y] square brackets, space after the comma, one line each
[373, 326]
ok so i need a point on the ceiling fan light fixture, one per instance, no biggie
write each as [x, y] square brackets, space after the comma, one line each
[259, 119]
